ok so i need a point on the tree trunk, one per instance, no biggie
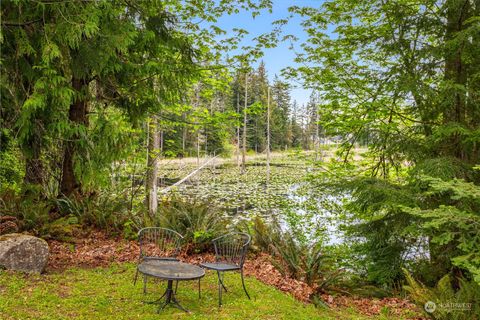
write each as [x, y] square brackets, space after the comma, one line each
[198, 147]
[34, 171]
[78, 116]
[244, 153]
[196, 105]
[184, 135]
[454, 112]
[268, 135]
[238, 127]
[256, 135]
[152, 165]
[456, 74]
[317, 133]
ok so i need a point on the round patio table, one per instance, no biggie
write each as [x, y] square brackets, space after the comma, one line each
[170, 271]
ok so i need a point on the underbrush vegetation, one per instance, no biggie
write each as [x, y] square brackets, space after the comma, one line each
[307, 261]
[459, 302]
[198, 222]
[63, 218]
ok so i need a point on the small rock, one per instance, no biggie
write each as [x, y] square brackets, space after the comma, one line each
[22, 252]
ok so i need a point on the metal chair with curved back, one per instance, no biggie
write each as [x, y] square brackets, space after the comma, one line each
[157, 244]
[230, 252]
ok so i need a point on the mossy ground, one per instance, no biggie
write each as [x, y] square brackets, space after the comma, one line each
[109, 293]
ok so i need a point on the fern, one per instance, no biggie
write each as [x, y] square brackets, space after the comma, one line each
[449, 304]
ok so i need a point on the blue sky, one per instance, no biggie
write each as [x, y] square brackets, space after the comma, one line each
[282, 56]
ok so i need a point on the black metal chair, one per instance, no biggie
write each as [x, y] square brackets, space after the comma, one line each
[157, 244]
[230, 252]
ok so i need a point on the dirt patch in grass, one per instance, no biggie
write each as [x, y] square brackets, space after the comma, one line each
[64, 291]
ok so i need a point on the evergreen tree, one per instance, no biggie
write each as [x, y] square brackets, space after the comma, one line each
[280, 127]
[404, 75]
[67, 79]
[296, 132]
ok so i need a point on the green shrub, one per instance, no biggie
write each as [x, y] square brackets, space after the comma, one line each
[101, 210]
[63, 229]
[452, 222]
[29, 206]
[307, 262]
[378, 221]
[197, 221]
[11, 166]
[59, 218]
[449, 303]
[129, 232]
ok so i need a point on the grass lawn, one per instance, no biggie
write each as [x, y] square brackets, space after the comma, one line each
[109, 293]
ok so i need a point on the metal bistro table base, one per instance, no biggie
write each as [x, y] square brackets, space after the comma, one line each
[170, 271]
[170, 298]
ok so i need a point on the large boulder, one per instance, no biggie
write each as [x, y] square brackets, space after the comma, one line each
[22, 252]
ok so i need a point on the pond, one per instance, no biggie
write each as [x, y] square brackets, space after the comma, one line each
[288, 198]
[319, 218]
